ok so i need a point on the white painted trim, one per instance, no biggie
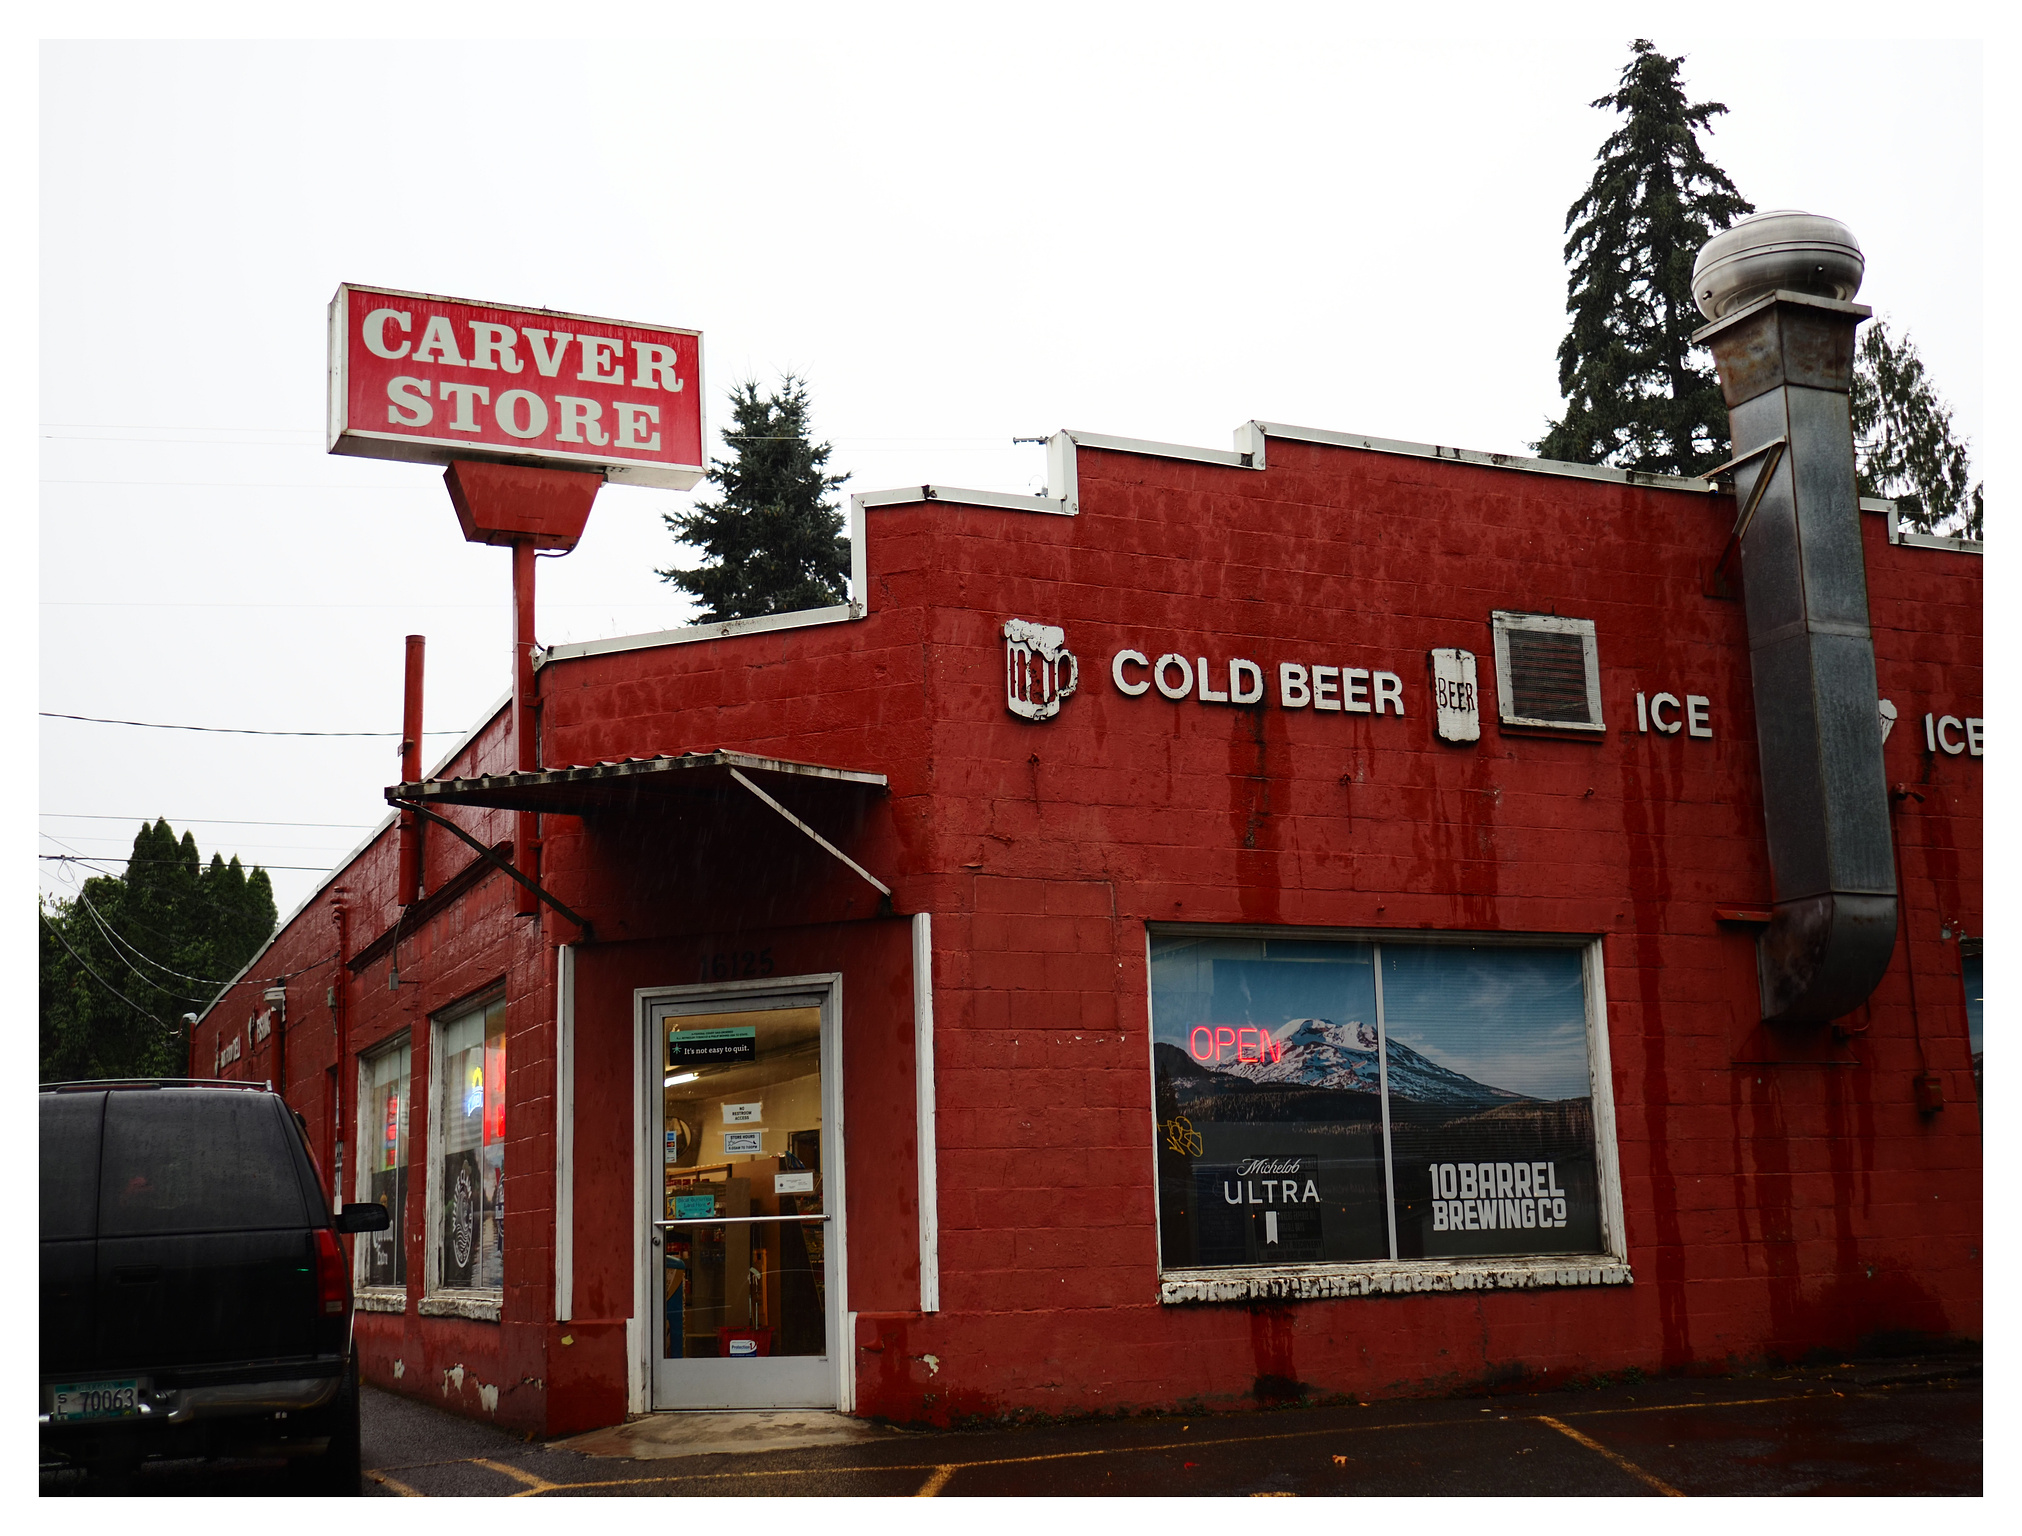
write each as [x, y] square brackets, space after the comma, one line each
[478, 1302]
[860, 558]
[565, 1132]
[1226, 458]
[475, 1307]
[823, 843]
[1913, 540]
[840, 1321]
[806, 618]
[337, 409]
[1063, 476]
[361, 1180]
[1396, 1277]
[1501, 622]
[1601, 1095]
[846, 1396]
[519, 309]
[1003, 501]
[1251, 444]
[1602, 472]
[924, 1131]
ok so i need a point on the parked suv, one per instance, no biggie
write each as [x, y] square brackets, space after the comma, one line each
[196, 1298]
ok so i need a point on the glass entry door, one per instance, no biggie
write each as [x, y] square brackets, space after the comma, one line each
[739, 1250]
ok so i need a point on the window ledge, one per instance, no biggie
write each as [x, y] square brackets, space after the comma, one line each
[380, 1299]
[1316, 1282]
[480, 1307]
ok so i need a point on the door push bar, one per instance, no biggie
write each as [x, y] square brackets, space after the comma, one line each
[717, 1221]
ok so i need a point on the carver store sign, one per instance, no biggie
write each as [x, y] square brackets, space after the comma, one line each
[418, 377]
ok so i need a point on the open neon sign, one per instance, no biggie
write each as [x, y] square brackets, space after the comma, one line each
[1250, 1043]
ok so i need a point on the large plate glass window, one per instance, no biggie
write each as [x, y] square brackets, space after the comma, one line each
[468, 1129]
[1547, 672]
[1328, 1100]
[383, 1094]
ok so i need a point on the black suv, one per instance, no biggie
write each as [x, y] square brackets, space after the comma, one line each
[196, 1298]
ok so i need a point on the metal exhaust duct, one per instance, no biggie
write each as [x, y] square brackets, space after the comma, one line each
[1776, 289]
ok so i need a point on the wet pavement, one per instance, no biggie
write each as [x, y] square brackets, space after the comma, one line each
[1879, 1428]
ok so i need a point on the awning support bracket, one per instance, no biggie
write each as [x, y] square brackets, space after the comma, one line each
[1771, 453]
[882, 889]
[488, 854]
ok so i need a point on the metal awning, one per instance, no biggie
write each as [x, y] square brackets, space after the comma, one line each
[639, 783]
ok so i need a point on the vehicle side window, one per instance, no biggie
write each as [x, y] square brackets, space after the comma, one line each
[70, 1126]
[196, 1161]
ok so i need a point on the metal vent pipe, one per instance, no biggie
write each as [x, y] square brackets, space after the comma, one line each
[1776, 288]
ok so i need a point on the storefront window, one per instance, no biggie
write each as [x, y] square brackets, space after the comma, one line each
[382, 1161]
[1324, 1101]
[469, 1132]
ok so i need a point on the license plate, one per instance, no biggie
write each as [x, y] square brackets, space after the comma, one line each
[95, 1400]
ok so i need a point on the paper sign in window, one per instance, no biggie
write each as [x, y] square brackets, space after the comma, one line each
[746, 1142]
[743, 1114]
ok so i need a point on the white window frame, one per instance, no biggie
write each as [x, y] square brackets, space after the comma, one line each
[1389, 1277]
[647, 1165]
[379, 1298]
[1501, 623]
[478, 1304]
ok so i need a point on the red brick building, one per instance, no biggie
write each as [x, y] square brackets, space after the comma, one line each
[1094, 970]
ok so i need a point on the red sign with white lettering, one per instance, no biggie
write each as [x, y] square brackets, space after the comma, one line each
[427, 379]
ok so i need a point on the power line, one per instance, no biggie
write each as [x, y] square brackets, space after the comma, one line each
[204, 821]
[136, 1007]
[117, 942]
[229, 730]
[113, 858]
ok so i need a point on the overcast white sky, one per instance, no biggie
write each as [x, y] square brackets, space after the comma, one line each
[960, 228]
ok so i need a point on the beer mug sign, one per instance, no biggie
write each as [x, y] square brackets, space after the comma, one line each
[1039, 670]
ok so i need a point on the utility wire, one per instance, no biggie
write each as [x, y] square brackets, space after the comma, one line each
[229, 730]
[113, 858]
[136, 1007]
[106, 928]
[201, 821]
[139, 975]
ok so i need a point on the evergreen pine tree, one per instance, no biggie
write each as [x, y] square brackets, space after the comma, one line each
[125, 959]
[1903, 442]
[1636, 397]
[771, 543]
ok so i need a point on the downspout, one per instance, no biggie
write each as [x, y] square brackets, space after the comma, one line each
[1776, 287]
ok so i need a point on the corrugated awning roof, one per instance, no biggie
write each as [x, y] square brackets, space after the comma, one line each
[634, 784]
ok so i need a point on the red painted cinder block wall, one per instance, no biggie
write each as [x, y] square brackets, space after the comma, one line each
[1770, 1211]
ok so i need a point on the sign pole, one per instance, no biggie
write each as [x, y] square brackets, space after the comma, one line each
[526, 721]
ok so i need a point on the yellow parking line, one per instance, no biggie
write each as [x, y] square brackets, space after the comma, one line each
[939, 1473]
[396, 1485]
[1732, 1402]
[517, 1474]
[1623, 1462]
[934, 1484]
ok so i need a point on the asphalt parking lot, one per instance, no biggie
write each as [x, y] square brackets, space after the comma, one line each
[1884, 1429]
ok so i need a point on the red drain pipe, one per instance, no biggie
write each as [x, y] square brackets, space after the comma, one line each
[410, 772]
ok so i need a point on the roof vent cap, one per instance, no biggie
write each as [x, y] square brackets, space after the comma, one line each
[1803, 252]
